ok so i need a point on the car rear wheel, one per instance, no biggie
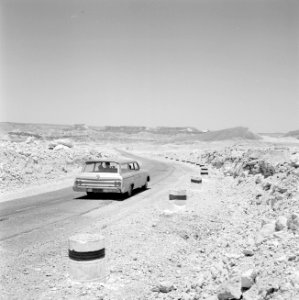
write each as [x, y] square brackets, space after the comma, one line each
[130, 191]
[145, 186]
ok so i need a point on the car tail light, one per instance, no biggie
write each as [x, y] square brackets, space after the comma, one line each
[78, 182]
[117, 183]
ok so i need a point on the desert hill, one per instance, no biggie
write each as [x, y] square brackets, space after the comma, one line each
[230, 133]
[294, 133]
[82, 132]
[140, 129]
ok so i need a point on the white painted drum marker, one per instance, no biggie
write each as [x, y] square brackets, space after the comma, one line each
[196, 179]
[87, 257]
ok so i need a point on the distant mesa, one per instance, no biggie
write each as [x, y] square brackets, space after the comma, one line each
[124, 129]
[156, 130]
[18, 133]
[80, 126]
[175, 130]
[82, 132]
[229, 134]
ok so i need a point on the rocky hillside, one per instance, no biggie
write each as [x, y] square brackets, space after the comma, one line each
[252, 252]
[35, 162]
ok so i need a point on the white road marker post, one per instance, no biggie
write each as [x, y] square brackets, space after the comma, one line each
[204, 171]
[87, 258]
[196, 179]
[178, 198]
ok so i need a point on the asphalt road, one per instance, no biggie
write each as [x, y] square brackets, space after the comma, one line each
[28, 215]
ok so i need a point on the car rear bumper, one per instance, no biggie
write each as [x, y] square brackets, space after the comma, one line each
[94, 190]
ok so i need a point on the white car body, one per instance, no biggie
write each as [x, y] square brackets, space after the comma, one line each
[122, 176]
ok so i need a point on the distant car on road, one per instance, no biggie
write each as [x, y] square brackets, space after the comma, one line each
[111, 176]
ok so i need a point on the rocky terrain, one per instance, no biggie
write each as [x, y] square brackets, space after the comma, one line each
[252, 249]
[236, 238]
[35, 162]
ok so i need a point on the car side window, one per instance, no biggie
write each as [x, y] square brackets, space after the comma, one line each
[136, 166]
[131, 166]
[124, 167]
[89, 167]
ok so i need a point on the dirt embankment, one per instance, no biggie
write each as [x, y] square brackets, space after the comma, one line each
[35, 162]
[254, 252]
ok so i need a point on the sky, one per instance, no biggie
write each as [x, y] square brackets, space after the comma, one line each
[211, 64]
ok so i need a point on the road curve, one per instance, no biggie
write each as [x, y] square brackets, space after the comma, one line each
[35, 230]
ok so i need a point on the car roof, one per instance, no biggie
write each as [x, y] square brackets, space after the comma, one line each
[116, 160]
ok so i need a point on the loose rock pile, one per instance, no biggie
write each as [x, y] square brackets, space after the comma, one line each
[255, 255]
[32, 162]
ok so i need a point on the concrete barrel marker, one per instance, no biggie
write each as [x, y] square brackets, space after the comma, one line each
[204, 171]
[178, 197]
[87, 261]
[196, 179]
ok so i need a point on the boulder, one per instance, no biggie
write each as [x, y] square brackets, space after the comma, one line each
[248, 252]
[230, 289]
[281, 223]
[295, 279]
[293, 222]
[163, 287]
[52, 145]
[200, 280]
[268, 228]
[266, 231]
[251, 294]
[65, 142]
[294, 161]
[258, 179]
[266, 186]
[248, 279]
[60, 147]
[30, 140]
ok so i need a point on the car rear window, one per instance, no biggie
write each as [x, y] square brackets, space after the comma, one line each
[101, 167]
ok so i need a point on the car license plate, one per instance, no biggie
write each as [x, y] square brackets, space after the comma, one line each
[97, 190]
